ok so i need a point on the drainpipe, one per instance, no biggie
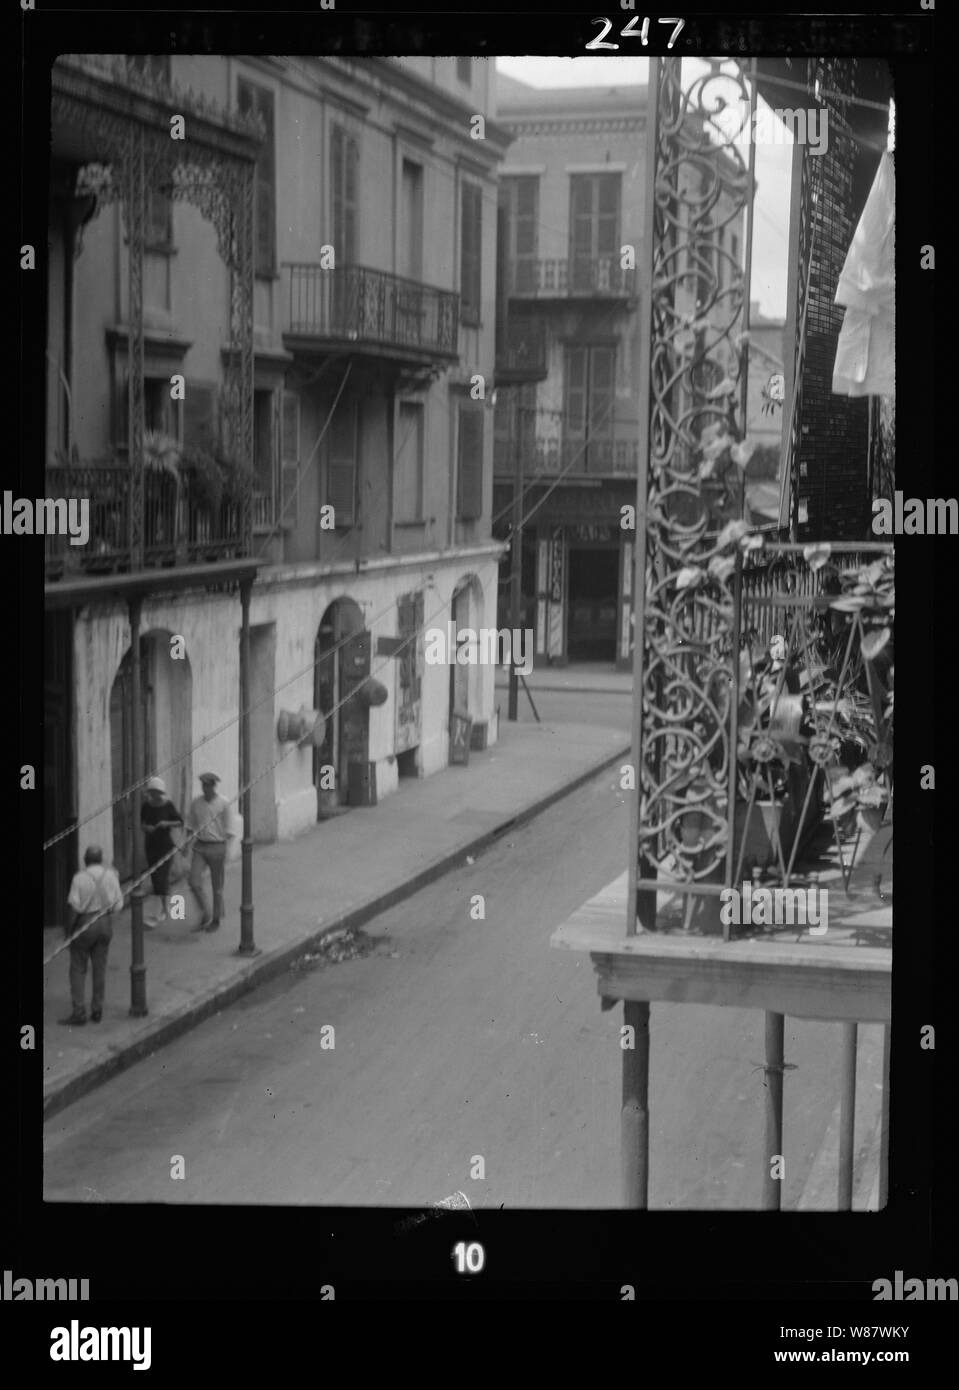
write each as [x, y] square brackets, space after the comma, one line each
[138, 970]
[247, 947]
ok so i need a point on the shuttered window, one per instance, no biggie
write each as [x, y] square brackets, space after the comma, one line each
[520, 198]
[408, 466]
[590, 390]
[594, 202]
[344, 174]
[471, 251]
[343, 465]
[469, 464]
[258, 101]
[289, 458]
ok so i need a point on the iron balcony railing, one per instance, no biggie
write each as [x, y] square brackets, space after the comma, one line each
[575, 455]
[807, 742]
[521, 350]
[353, 304]
[180, 527]
[600, 277]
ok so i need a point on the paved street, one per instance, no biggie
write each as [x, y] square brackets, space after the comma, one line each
[456, 1038]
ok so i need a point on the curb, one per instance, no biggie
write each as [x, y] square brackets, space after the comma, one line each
[268, 967]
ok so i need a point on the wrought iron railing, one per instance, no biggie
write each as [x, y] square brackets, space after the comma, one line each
[776, 764]
[354, 304]
[181, 526]
[521, 350]
[570, 454]
[580, 276]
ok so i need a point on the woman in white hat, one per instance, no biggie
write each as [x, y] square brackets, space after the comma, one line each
[158, 816]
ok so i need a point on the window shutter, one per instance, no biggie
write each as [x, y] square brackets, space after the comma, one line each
[471, 209]
[601, 388]
[344, 161]
[289, 458]
[470, 464]
[341, 466]
[576, 390]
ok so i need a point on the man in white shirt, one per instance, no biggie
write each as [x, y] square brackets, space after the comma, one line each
[94, 889]
[210, 816]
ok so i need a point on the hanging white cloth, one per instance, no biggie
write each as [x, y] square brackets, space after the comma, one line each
[866, 350]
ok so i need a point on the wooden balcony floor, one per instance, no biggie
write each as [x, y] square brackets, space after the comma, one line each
[844, 974]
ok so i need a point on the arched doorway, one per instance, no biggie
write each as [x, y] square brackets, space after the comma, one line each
[347, 723]
[466, 612]
[166, 695]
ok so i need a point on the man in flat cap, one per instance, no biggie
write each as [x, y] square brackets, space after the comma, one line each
[210, 816]
[158, 816]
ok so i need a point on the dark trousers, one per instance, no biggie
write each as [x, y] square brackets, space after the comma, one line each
[93, 945]
[213, 857]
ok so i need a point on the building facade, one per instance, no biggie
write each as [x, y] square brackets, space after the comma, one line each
[572, 194]
[319, 412]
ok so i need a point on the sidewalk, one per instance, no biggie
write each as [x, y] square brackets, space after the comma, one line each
[337, 875]
[585, 678]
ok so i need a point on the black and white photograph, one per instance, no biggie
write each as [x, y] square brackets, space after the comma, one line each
[469, 522]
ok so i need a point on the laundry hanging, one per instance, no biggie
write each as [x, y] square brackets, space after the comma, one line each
[866, 350]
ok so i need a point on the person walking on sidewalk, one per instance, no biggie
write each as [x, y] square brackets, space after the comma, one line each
[158, 816]
[209, 815]
[94, 889]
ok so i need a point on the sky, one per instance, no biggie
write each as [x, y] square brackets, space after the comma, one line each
[771, 219]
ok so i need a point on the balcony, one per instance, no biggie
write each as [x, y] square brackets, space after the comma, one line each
[583, 277]
[179, 527]
[615, 456]
[770, 775]
[521, 352]
[370, 312]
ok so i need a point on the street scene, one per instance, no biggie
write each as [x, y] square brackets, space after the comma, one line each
[468, 723]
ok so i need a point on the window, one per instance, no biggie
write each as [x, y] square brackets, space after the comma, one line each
[590, 398]
[469, 463]
[520, 197]
[342, 468]
[594, 201]
[344, 173]
[471, 247]
[258, 101]
[464, 70]
[408, 464]
[160, 412]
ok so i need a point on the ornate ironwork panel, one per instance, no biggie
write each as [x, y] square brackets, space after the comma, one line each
[694, 481]
[120, 119]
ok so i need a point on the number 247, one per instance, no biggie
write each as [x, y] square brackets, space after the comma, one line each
[630, 31]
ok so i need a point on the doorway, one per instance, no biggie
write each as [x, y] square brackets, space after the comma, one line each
[593, 591]
[166, 702]
[59, 803]
[331, 687]
[262, 732]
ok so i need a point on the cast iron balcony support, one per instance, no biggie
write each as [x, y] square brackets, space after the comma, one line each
[247, 947]
[138, 970]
